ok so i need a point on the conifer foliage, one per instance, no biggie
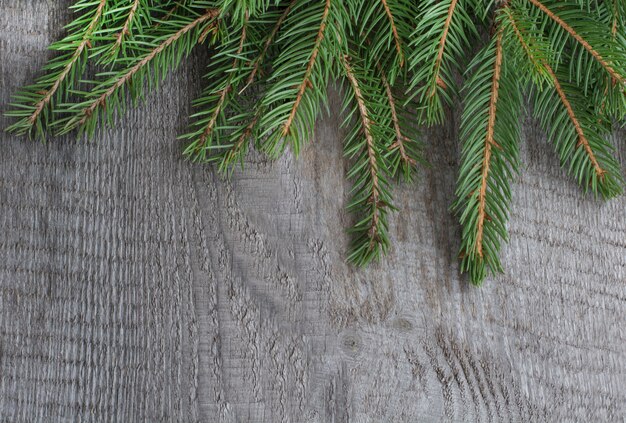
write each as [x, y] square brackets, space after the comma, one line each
[401, 64]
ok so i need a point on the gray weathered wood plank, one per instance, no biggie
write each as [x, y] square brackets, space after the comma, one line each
[135, 286]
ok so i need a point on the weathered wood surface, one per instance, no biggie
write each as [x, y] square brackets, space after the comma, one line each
[135, 286]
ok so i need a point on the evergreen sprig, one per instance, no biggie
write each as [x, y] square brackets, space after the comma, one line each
[400, 64]
[490, 130]
[368, 138]
[34, 104]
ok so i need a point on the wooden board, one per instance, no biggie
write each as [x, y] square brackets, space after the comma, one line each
[135, 286]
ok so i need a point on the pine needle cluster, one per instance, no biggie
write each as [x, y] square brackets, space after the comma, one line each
[401, 64]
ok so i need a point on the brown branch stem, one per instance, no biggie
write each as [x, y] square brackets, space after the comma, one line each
[400, 138]
[371, 153]
[442, 46]
[489, 143]
[168, 15]
[126, 28]
[394, 30]
[582, 139]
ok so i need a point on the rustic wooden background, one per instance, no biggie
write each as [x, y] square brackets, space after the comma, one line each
[135, 286]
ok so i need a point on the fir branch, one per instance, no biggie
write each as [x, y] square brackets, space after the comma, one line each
[108, 89]
[442, 45]
[386, 26]
[607, 185]
[534, 51]
[126, 77]
[230, 120]
[489, 143]
[613, 102]
[222, 93]
[37, 98]
[582, 140]
[367, 133]
[82, 45]
[582, 41]
[268, 42]
[125, 31]
[404, 152]
[443, 31]
[489, 134]
[300, 74]
[286, 128]
[237, 150]
[399, 62]
[579, 137]
[364, 143]
[400, 137]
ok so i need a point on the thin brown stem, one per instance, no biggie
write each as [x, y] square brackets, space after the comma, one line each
[101, 100]
[582, 139]
[580, 39]
[489, 143]
[442, 47]
[400, 138]
[309, 69]
[84, 43]
[371, 153]
[394, 30]
[266, 46]
[168, 15]
[126, 28]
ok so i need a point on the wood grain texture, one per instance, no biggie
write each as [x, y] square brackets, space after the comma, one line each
[135, 286]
